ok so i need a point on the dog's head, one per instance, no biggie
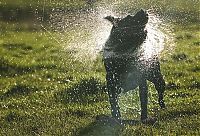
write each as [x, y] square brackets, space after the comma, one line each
[129, 31]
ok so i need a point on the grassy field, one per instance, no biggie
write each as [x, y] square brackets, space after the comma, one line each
[45, 91]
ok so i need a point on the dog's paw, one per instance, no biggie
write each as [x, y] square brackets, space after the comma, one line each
[130, 122]
[149, 121]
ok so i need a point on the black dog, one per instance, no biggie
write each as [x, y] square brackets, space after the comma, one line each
[124, 70]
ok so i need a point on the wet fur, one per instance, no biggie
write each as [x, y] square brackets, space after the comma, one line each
[126, 36]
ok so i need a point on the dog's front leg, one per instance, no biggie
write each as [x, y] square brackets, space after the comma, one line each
[143, 91]
[112, 92]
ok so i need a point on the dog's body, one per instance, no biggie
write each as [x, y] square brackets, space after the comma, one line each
[125, 70]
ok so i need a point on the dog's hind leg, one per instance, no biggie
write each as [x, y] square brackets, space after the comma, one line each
[160, 87]
[159, 83]
[156, 77]
[112, 92]
[143, 91]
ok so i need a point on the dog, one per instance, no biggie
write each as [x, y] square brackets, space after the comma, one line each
[124, 69]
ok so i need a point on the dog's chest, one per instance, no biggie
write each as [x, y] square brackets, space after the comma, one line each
[129, 70]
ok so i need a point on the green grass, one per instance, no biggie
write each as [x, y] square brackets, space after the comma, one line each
[20, 10]
[36, 78]
[45, 91]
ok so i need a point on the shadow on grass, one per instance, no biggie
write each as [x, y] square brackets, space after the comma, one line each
[10, 70]
[187, 109]
[19, 89]
[108, 126]
[179, 57]
[15, 46]
[105, 126]
[87, 90]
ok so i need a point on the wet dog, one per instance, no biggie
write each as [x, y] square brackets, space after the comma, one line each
[124, 69]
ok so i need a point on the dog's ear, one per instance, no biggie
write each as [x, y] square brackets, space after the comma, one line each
[112, 19]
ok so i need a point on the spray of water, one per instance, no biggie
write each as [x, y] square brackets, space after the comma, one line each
[85, 31]
[88, 32]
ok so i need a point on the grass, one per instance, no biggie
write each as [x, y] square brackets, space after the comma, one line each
[46, 3]
[36, 76]
[21, 10]
[44, 91]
